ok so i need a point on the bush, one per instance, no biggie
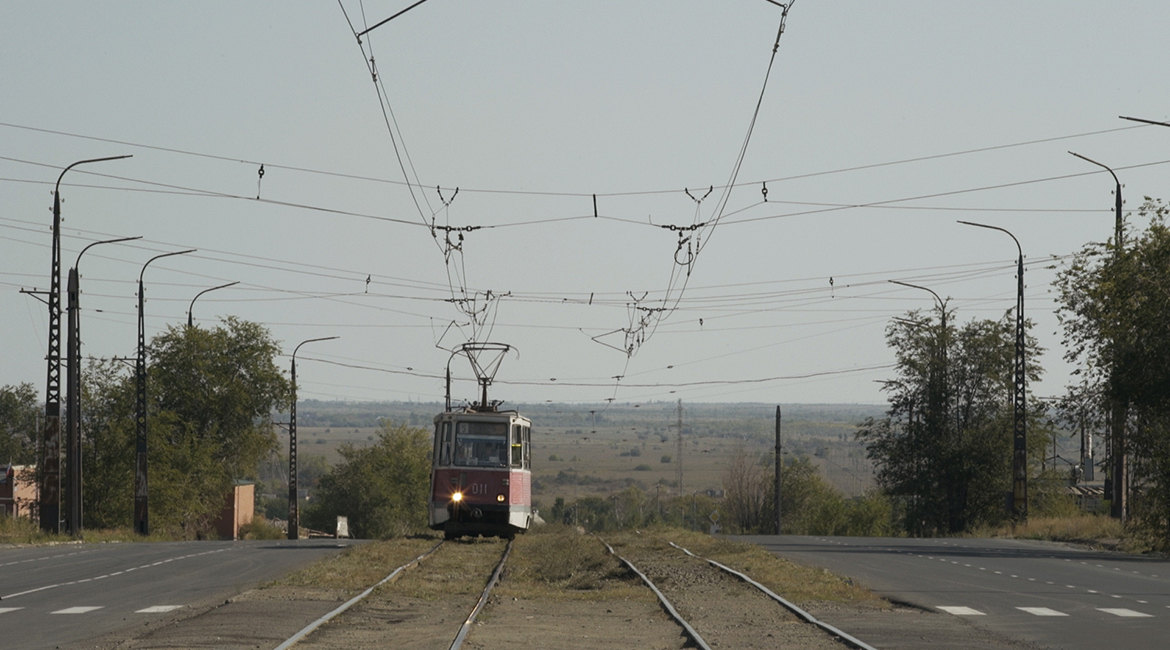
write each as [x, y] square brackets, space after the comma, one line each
[642, 468]
[382, 488]
[261, 528]
[666, 458]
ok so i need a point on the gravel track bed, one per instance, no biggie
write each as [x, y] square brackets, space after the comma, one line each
[727, 612]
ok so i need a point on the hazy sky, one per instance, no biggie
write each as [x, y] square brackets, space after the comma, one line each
[533, 108]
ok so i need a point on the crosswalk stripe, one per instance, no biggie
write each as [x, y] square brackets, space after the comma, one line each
[158, 609]
[1127, 613]
[76, 610]
[1041, 611]
[960, 611]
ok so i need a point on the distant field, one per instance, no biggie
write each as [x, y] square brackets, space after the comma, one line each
[577, 453]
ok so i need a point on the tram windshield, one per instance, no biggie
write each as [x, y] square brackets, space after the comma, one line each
[481, 444]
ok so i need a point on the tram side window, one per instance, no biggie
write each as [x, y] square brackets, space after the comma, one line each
[527, 448]
[517, 446]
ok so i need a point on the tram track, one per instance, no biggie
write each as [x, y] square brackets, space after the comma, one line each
[360, 622]
[717, 606]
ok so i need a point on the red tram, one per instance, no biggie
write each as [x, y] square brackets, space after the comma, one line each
[481, 478]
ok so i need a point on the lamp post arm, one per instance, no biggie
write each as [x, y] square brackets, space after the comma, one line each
[1138, 119]
[191, 308]
[1117, 197]
[57, 187]
[77, 263]
[941, 303]
[157, 257]
[1003, 230]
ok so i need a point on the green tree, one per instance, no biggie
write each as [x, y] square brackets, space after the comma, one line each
[107, 448]
[1114, 306]
[211, 394]
[943, 451]
[19, 407]
[383, 489]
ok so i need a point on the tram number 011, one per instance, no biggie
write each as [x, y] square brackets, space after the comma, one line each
[478, 488]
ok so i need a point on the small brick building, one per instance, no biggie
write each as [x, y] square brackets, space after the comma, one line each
[18, 490]
[238, 510]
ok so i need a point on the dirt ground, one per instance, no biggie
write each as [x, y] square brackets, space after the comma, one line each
[557, 593]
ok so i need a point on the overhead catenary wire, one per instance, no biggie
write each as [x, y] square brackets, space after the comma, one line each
[579, 194]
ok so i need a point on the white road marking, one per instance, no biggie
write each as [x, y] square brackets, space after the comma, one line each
[1041, 611]
[159, 609]
[1127, 613]
[76, 610]
[960, 611]
[5, 610]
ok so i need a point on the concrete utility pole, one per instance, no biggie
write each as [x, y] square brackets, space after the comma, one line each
[294, 513]
[779, 465]
[1019, 394]
[50, 487]
[1118, 480]
[141, 487]
[73, 396]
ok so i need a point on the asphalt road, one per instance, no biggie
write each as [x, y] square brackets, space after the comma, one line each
[1050, 594]
[60, 596]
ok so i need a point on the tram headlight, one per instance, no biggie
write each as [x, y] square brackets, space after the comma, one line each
[500, 498]
[457, 497]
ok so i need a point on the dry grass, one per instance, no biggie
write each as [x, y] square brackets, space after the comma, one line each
[21, 530]
[458, 568]
[1094, 530]
[797, 583]
[558, 562]
[357, 567]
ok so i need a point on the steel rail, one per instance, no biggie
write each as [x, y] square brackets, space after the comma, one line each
[666, 605]
[808, 618]
[466, 627]
[308, 629]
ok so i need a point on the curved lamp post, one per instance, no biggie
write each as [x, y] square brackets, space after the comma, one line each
[1118, 481]
[73, 396]
[1020, 393]
[141, 500]
[49, 509]
[190, 310]
[293, 511]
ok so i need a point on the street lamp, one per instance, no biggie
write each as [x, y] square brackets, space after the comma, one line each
[190, 310]
[1116, 201]
[936, 398]
[1020, 394]
[50, 496]
[293, 510]
[1118, 483]
[73, 397]
[141, 500]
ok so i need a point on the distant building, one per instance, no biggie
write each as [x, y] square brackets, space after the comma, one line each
[18, 490]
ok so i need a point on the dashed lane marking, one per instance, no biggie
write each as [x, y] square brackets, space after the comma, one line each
[5, 610]
[76, 610]
[1125, 613]
[1041, 611]
[159, 609]
[960, 611]
[145, 566]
